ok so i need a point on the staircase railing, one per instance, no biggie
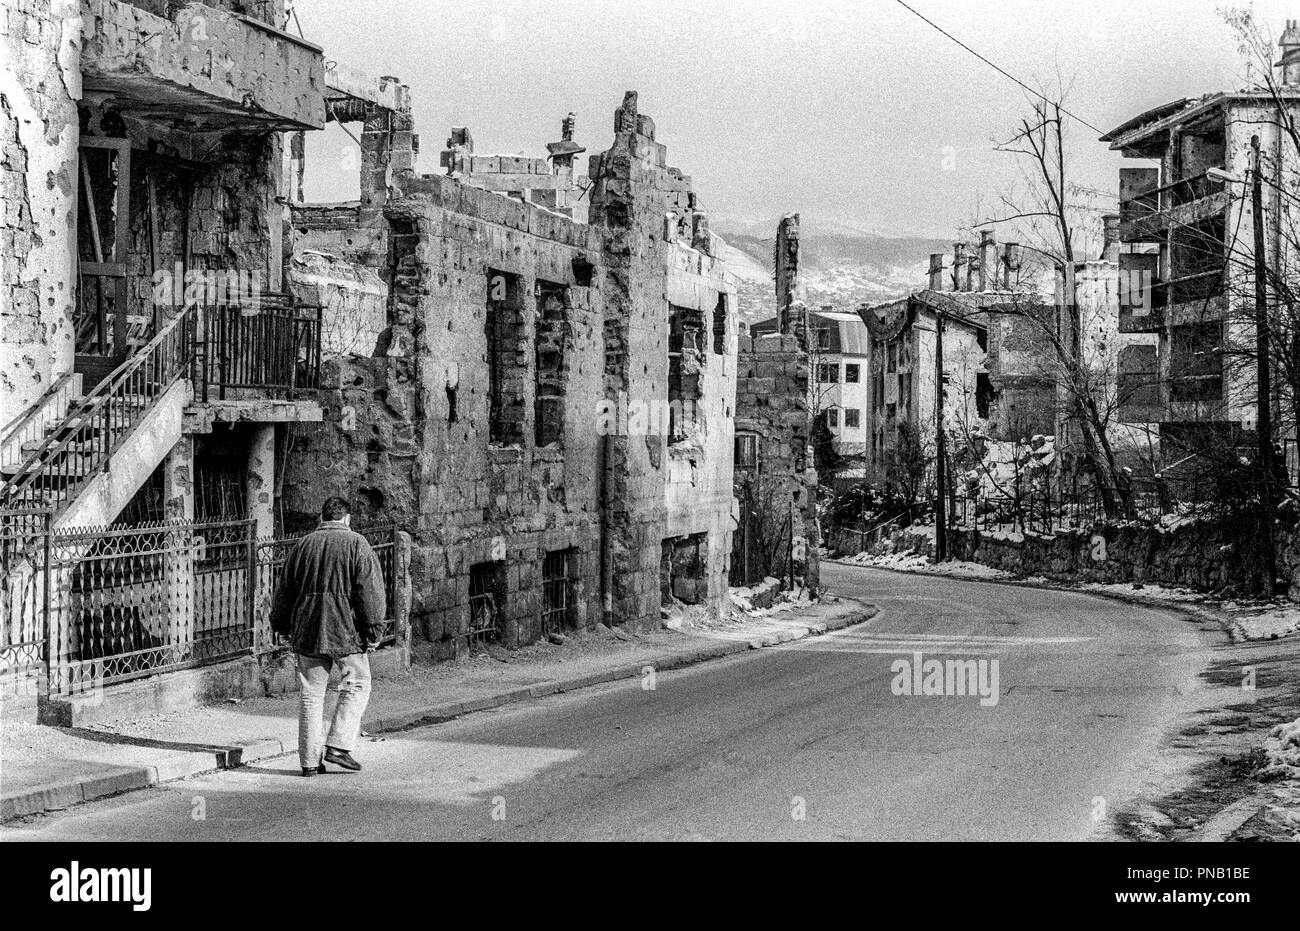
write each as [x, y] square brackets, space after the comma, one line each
[29, 426]
[84, 441]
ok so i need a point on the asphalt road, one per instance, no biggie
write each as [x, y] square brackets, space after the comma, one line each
[804, 741]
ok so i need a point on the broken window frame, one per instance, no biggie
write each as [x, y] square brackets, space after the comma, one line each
[500, 313]
[720, 326]
[559, 591]
[745, 455]
[486, 602]
[683, 322]
[543, 292]
[108, 348]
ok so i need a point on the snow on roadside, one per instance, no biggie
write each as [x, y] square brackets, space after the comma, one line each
[1282, 751]
[911, 561]
[1249, 620]
[1270, 625]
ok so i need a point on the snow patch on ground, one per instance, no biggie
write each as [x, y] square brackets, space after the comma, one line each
[1269, 625]
[911, 561]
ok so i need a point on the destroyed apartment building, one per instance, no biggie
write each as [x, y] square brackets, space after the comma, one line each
[529, 371]
[545, 403]
[976, 337]
[1186, 259]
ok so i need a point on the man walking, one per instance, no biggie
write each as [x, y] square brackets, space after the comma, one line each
[331, 605]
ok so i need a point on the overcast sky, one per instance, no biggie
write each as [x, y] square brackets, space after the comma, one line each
[855, 113]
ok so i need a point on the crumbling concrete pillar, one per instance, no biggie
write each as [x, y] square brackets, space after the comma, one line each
[178, 480]
[988, 277]
[260, 488]
[182, 544]
[787, 268]
[701, 240]
[1011, 254]
[959, 271]
[936, 271]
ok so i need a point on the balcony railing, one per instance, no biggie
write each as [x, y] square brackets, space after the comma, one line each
[272, 346]
[1198, 287]
[1167, 196]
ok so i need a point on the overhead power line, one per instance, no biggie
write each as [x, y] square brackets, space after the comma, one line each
[996, 67]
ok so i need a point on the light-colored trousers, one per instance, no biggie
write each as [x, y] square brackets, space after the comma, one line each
[354, 694]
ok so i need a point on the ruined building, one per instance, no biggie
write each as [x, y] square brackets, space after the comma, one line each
[529, 368]
[838, 363]
[996, 377]
[151, 356]
[546, 404]
[775, 481]
[1186, 260]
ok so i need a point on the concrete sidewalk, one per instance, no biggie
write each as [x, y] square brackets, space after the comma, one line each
[51, 768]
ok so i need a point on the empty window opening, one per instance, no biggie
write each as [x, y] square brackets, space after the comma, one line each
[487, 600]
[503, 330]
[1139, 384]
[1196, 362]
[221, 475]
[559, 591]
[102, 318]
[582, 272]
[404, 276]
[983, 395]
[746, 454]
[315, 158]
[852, 373]
[720, 326]
[552, 316]
[686, 360]
[682, 571]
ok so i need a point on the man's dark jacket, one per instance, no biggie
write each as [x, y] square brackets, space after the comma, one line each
[331, 597]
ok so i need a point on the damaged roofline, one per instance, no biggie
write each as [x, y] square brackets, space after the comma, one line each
[1161, 119]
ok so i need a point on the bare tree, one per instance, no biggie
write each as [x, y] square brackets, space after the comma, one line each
[1046, 218]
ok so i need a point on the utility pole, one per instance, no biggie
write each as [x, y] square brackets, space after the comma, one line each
[940, 466]
[1264, 418]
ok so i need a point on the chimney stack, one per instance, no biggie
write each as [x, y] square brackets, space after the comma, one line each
[959, 271]
[1011, 256]
[936, 271]
[1289, 45]
[988, 261]
[1110, 237]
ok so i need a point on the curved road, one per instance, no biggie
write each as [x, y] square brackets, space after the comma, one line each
[804, 741]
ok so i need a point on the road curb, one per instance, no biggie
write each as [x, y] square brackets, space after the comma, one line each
[184, 764]
[1199, 612]
[179, 765]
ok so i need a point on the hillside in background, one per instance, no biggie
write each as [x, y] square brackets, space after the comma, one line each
[841, 266]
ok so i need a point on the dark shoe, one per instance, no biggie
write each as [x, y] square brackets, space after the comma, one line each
[308, 771]
[341, 758]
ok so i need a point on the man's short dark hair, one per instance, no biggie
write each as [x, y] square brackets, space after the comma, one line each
[335, 509]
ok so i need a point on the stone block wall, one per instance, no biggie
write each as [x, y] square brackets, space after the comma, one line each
[581, 320]
[772, 404]
[1209, 555]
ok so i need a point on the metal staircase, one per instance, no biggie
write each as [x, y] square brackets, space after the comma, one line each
[66, 453]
